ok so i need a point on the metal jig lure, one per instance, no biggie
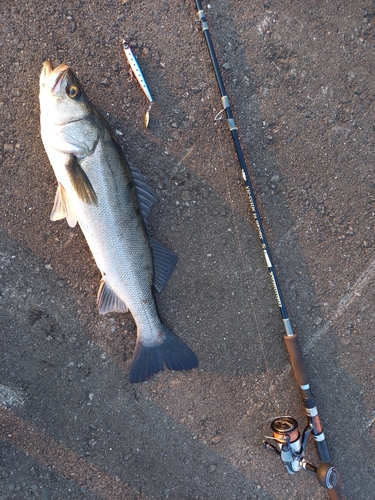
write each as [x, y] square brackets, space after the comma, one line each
[137, 72]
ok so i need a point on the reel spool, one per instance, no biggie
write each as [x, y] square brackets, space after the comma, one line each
[288, 441]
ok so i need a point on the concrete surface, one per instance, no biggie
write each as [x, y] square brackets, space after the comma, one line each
[300, 78]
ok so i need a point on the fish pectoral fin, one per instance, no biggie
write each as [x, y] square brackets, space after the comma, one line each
[80, 182]
[164, 263]
[63, 208]
[108, 301]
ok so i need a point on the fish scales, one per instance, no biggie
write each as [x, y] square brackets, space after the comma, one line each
[110, 202]
[116, 233]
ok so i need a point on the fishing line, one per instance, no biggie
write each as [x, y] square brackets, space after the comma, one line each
[99, 23]
[272, 387]
[221, 140]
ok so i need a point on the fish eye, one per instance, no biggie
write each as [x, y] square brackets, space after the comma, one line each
[73, 91]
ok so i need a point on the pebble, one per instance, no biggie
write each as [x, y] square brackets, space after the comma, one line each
[106, 82]
[217, 439]
[8, 148]
[212, 468]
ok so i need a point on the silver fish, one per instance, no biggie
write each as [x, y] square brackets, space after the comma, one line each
[111, 203]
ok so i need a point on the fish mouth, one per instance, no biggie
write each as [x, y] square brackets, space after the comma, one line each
[54, 75]
[59, 79]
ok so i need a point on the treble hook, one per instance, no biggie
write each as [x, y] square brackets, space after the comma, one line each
[147, 115]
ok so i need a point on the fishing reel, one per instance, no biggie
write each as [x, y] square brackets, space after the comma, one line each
[285, 439]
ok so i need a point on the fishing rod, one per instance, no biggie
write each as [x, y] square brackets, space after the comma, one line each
[284, 437]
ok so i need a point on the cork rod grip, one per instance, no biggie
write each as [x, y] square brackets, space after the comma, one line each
[297, 359]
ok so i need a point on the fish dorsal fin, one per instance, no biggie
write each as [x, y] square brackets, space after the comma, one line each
[108, 301]
[145, 194]
[63, 208]
[80, 182]
[164, 263]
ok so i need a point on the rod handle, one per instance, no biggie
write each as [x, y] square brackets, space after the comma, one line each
[327, 477]
[323, 450]
[296, 357]
[335, 494]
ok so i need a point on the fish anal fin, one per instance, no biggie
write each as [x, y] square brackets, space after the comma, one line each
[148, 359]
[108, 301]
[164, 263]
[63, 208]
[80, 182]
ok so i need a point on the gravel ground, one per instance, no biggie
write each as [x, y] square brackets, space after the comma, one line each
[299, 76]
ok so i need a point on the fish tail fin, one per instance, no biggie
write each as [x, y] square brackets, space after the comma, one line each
[148, 359]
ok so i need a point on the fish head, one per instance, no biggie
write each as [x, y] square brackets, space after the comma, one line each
[61, 94]
[69, 122]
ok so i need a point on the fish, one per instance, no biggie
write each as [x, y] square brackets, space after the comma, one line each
[111, 202]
